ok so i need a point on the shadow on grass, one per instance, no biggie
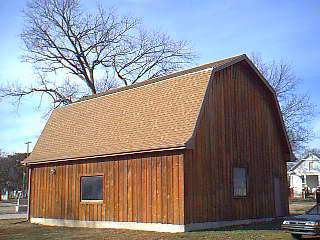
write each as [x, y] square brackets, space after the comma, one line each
[20, 221]
[272, 225]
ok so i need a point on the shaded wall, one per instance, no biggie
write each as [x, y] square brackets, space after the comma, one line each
[238, 127]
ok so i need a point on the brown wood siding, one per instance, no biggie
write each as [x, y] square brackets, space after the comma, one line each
[141, 188]
[238, 126]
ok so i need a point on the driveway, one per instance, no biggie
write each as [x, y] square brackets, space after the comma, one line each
[7, 211]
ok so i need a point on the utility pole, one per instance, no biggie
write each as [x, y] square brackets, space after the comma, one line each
[27, 193]
[28, 143]
[24, 178]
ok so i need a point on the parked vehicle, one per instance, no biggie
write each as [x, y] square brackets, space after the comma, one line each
[307, 224]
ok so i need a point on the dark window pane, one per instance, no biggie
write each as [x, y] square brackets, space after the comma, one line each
[91, 188]
[239, 182]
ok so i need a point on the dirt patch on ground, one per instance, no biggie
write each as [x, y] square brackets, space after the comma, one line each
[15, 229]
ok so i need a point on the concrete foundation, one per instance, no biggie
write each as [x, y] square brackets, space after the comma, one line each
[157, 227]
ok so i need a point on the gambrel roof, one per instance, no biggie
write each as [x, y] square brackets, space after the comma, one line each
[153, 115]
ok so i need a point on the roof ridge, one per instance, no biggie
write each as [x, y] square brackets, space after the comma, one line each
[179, 73]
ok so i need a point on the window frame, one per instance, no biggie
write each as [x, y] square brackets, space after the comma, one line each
[311, 166]
[103, 189]
[247, 180]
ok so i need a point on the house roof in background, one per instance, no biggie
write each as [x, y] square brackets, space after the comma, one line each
[309, 157]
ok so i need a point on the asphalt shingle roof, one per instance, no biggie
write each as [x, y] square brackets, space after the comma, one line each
[155, 114]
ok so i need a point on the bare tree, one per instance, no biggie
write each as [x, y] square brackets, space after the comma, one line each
[93, 52]
[297, 109]
[11, 171]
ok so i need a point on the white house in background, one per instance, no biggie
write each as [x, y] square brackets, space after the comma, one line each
[305, 172]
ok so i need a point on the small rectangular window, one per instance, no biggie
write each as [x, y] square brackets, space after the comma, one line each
[311, 167]
[92, 188]
[303, 179]
[239, 182]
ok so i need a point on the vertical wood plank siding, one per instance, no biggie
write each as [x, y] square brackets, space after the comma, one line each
[238, 126]
[143, 188]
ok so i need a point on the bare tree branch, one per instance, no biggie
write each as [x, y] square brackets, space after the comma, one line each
[297, 109]
[97, 50]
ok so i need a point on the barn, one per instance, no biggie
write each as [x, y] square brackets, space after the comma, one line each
[200, 148]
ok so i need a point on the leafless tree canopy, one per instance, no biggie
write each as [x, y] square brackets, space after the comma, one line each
[297, 109]
[92, 51]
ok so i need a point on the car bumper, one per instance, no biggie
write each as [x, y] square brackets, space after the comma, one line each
[304, 230]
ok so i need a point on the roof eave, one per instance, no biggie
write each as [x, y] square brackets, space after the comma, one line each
[36, 162]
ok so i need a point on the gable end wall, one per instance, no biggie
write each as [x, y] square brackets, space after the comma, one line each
[238, 126]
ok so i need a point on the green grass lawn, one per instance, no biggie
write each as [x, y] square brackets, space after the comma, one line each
[18, 229]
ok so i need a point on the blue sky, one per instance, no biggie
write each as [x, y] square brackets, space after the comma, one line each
[216, 29]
